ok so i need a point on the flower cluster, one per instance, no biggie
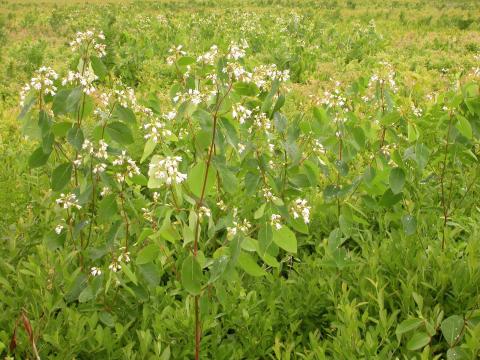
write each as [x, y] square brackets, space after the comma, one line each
[241, 113]
[89, 41]
[268, 195]
[86, 80]
[299, 209]
[166, 170]
[94, 271]
[334, 98]
[175, 52]
[238, 226]
[237, 51]
[131, 167]
[42, 81]
[155, 127]
[263, 75]
[417, 111]
[261, 122]
[99, 152]
[68, 201]
[275, 221]
[192, 95]
[384, 77]
[209, 57]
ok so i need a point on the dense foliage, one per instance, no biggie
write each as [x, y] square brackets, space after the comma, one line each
[281, 181]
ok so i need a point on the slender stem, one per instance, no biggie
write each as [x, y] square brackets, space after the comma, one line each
[442, 185]
[197, 224]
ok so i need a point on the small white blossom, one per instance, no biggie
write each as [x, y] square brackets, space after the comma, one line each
[237, 51]
[94, 271]
[241, 113]
[300, 208]
[42, 81]
[209, 57]
[175, 52]
[115, 266]
[59, 229]
[88, 43]
[68, 201]
[275, 221]
[86, 80]
[166, 169]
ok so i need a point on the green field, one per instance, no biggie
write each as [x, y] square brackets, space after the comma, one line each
[240, 179]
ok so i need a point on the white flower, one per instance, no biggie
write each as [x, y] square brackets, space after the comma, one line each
[237, 51]
[85, 80]
[175, 52]
[241, 113]
[241, 148]
[268, 195]
[275, 221]
[417, 111]
[105, 191]
[95, 271]
[42, 81]
[300, 208]
[243, 227]
[129, 165]
[99, 168]
[68, 201]
[385, 77]
[155, 128]
[204, 211]
[166, 169]
[209, 57]
[125, 257]
[58, 229]
[88, 43]
[115, 266]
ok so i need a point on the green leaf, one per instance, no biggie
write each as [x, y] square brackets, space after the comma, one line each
[185, 60]
[107, 208]
[418, 341]
[106, 318]
[75, 137]
[129, 273]
[464, 127]
[192, 275]
[59, 105]
[61, 176]
[397, 180]
[148, 149]
[409, 224]
[422, 153]
[389, 198]
[61, 129]
[247, 89]
[285, 239]
[452, 328]
[147, 254]
[98, 67]
[265, 239]
[249, 265]
[124, 114]
[260, 211]
[408, 325]
[196, 178]
[72, 101]
[120, 133]
[38, 158]
[86, 295]
[457, 353]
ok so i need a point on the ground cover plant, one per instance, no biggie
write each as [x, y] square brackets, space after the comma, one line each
[253, 180]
